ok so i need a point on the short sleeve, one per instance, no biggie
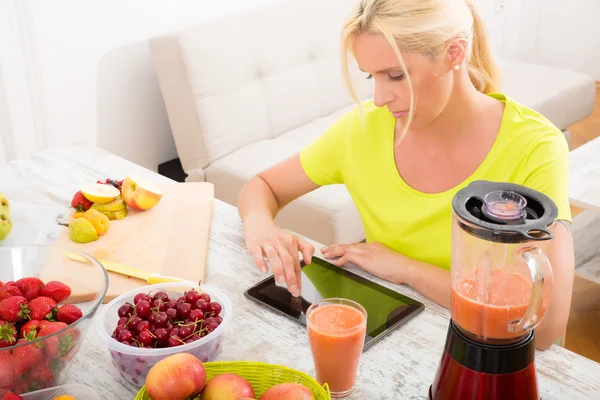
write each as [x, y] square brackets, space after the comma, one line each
[547, 171]
[323, 159]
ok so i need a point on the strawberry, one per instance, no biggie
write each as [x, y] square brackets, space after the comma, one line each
[9, 290]
[32, 326]
[25, 357]
[57, 345]
[11, 396]
[68, 314]
[42, 308]
[8, 377]
[8, 335]
[30, 287]
[14, 309]
[42, 372]
[56, 290]
[80, 202]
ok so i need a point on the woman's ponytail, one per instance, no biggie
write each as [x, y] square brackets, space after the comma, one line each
[483, 71]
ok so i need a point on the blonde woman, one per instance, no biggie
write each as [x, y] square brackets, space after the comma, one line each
[435, 124]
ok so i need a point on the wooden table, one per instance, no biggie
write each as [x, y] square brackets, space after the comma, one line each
[584, 176]
[402, 366]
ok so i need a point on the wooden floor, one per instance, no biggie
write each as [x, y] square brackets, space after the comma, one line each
[583, 329]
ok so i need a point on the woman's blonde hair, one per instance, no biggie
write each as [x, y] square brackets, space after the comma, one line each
[424, 26]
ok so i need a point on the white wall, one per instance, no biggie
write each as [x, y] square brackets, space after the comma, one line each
[569, 35]
[81, 62]
[87, 49]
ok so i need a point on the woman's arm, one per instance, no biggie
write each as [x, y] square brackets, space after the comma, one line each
[258, 203]
[561, 255]
[434, 282]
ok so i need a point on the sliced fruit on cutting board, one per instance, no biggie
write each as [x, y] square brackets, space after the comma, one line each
[169, 239]
[116, 209]
[99, 193]
[82, 231]
[139, 194]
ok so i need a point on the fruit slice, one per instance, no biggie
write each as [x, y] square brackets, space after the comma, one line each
[140, 195]
[100, 221]
[116, 214]
[116, 209]
[82, 231]
[99, 193]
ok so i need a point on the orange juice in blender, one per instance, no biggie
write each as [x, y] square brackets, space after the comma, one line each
[336, 334]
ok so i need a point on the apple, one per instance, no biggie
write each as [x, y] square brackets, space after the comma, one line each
[5, 224]
[176, 377]
[227, 387]
[288, 391]
[140, 195]
[4, 203]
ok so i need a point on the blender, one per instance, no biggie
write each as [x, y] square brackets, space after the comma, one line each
[501, 280]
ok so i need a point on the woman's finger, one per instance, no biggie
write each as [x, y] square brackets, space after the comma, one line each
[275, 262]
[307, 250]
[295, 287]
[287, 263]
[349, 257]
[257, 252]
[334, 251]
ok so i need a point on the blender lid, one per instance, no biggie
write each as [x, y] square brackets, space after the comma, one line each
[504, 212]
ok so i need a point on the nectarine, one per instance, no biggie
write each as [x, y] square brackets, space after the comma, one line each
[227, 387]
[288, 391]
[176, 377]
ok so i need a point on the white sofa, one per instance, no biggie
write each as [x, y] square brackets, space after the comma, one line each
[245, 92]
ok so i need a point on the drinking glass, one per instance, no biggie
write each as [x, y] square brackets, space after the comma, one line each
[336, 334]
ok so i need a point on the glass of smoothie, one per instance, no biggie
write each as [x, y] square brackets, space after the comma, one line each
[336, 334]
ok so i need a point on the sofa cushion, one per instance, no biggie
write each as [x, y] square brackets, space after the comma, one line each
[265, 75]
[327, 215]
[564, 97]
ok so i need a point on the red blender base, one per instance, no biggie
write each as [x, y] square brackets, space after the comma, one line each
[473, 371]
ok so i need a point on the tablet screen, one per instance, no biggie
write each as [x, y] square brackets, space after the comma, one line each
[386, 309]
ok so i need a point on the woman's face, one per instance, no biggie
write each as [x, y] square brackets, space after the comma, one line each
[431, 79]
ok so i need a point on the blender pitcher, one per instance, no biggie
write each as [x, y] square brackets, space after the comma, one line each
[501, 277]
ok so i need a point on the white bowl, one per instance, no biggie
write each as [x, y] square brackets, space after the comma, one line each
[133, 362]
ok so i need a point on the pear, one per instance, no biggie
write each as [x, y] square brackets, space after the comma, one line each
[5, 224]
[4, 203]
[82, 231]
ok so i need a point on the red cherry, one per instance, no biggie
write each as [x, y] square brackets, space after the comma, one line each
[196, 315]
[192, 296]
[205, 297]
[215, 308]
[146, 338]
[202, 305]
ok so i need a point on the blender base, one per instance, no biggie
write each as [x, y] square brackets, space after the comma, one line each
[470, 370]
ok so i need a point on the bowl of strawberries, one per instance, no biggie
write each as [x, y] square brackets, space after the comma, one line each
[48, 297]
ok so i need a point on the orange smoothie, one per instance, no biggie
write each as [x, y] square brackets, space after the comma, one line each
[489, 318]
[336, 333]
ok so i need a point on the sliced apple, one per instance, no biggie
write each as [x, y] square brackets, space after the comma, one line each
[99, 193]
[140, 194]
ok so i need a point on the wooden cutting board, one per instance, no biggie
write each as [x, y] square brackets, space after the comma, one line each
[170, 238]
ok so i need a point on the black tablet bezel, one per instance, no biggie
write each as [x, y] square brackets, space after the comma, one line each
[413, 308]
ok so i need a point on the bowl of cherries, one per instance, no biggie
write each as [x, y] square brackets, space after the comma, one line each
[145, 325]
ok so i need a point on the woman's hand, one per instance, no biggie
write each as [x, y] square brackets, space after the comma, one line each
[374, 258]
[281, 248]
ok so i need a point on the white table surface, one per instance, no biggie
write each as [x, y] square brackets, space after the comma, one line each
[584, 176]
[402, 366]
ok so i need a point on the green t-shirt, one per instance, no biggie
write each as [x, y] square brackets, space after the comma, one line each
[359, 153]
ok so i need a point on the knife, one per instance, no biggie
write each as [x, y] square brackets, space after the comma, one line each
[150, 277]
[126, 270]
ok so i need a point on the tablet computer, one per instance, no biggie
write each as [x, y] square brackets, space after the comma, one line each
[386, 308]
